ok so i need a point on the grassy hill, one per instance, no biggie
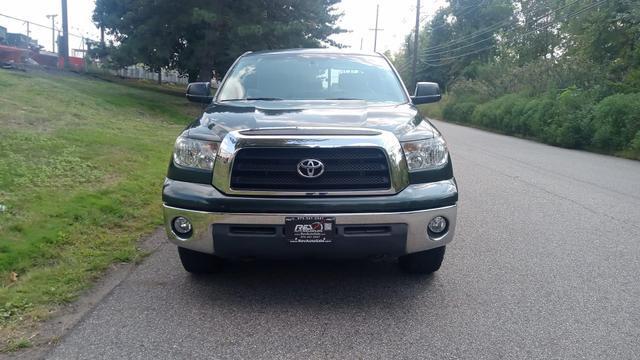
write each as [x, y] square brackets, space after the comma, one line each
[81, 167]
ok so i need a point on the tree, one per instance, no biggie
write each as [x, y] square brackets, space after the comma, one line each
[197, 36]
[458, 37]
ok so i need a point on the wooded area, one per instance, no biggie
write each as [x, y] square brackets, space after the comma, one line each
[198, 36]
[563, 72]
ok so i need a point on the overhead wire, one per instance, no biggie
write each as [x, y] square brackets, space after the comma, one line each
[469, 7]
[578, 12]
[491, 36]
[491, 28]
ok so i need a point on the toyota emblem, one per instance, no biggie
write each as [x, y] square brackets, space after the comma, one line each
[310, 168]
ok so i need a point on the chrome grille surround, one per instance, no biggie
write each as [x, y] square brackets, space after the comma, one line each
[310, 138]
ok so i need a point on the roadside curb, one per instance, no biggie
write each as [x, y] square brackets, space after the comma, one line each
[65, 319]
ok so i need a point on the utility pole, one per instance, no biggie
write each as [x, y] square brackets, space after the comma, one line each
[376, 29]
[28, 30]
[361, 40]
[415, 45]
[64, 44]
[53, 31]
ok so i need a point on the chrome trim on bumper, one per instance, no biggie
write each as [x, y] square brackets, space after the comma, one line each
[236, 140]
[417, 237]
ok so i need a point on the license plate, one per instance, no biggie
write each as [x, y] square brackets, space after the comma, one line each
[309, 229]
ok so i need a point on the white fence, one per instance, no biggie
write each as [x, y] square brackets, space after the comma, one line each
[139, 72]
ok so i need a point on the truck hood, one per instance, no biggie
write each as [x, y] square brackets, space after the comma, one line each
[403, 120]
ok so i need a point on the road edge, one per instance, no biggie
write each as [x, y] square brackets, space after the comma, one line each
[50, 332]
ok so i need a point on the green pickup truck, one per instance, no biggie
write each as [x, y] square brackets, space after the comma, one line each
[310, 153]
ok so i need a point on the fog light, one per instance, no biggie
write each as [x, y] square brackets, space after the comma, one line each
[182, 226]
[438, 225]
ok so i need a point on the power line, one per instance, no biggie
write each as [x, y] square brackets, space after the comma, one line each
[490, 28]
[491, 36]
[44, 26]
[470, 8]
[487, 30]
[25, 21]
[588, 7]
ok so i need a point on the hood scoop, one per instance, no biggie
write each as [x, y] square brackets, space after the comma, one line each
[277, 114]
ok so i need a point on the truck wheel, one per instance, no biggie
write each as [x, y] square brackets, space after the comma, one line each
[199, 263]
[424, 262]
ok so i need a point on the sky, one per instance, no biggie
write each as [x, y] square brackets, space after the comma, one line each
[396, 17]
[36, 11]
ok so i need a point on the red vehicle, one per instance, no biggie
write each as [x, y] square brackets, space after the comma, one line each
[12, 55]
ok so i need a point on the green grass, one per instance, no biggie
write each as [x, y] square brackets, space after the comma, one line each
[82, 162]
[17, 344]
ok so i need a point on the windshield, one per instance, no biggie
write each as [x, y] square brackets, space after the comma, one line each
[312, 77]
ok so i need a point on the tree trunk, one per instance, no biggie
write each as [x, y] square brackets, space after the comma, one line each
[205, 73]
[160, 77]
[193, 76]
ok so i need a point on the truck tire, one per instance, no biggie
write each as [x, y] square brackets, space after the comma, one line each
[424, 262]
[199, 263]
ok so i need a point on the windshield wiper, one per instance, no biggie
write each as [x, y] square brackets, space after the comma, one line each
[255, 98]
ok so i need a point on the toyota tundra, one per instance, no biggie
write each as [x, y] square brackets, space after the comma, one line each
[310, 153]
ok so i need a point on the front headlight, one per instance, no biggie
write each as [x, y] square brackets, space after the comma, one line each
[426, 154]
[193, 153]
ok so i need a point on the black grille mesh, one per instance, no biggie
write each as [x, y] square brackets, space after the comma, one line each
[275, 169]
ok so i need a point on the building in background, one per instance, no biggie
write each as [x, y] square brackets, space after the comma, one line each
[21, 41]
[3, 35]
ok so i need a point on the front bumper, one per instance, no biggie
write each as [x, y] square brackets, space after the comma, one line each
[407, 233]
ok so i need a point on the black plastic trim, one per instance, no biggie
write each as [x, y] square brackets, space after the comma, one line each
[179, 173]
[422, 177]
[230, 244]
[204, 197]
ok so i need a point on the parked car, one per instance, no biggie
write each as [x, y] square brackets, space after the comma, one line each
[311, 152]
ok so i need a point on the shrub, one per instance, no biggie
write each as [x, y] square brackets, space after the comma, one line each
[471, 91]
[568, 121]
[573, 118]
[634, 150]
[536, 115]
[616, 120]
[459, 112]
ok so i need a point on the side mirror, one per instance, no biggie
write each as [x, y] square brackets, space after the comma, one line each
[199, 92]
[426, 92]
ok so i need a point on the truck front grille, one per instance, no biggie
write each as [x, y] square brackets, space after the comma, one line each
[276, 169]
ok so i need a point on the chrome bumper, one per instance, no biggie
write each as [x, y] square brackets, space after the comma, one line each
[417, 238]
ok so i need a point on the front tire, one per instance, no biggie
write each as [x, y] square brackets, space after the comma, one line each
[424, 262]
[199, 263]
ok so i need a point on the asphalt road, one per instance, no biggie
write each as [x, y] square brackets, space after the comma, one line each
[545, 264]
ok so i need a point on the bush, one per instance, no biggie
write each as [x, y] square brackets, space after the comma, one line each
[617, 122]
[572, 118]
[471, 91]
[568, 122]
[634, 150]
[504, 113]
[536, 115]
[459, 112]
